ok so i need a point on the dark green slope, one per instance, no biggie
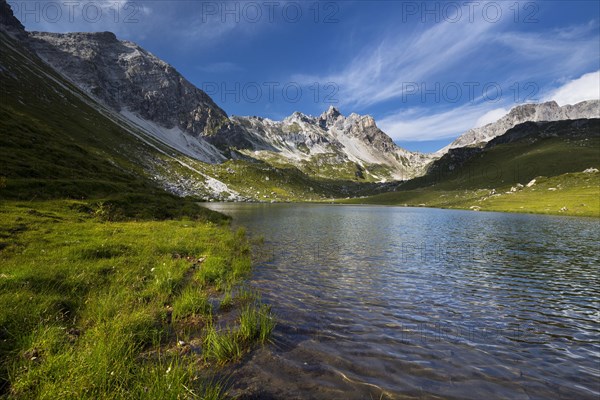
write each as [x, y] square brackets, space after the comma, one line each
[524, 152]
[553, 153]
[55, 144]
[88, 268]
[52, 143]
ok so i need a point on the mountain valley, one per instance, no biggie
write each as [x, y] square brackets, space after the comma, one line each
[169, 132]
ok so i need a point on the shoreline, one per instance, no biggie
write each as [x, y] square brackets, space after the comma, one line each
[120, 307]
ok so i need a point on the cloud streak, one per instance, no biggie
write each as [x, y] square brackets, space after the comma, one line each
[445, 51]
[557, 53]
[380, 74]
[418, 124]
[586, 87]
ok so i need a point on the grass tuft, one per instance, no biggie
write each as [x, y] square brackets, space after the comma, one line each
[89, 302]
[256, 323]
[222, 346]
[191, 302]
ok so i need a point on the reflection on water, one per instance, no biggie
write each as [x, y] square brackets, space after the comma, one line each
[384, 302]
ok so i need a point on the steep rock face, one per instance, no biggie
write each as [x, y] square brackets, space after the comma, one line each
[152, 94]
[126, 77]
[353, 139]
[549, 111]
[8, 21]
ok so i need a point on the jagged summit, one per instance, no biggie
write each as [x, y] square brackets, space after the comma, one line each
[332, 112]
[329, 117]
[332, 138]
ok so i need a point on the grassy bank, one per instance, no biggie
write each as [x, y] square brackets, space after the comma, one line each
[575, 194]
[101, 300]
[532, 168]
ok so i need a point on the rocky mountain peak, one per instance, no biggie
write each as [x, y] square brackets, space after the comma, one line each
[332, 112]
[331, 139]
[128, 78]
[329, 117]
[8, 20]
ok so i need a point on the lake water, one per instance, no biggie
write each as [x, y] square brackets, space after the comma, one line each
[386, 302]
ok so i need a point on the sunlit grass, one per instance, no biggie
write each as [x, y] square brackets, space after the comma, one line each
[256, 323]
[574, 194]
[93, 309]
[191, 302]
[222, 346]
[101, 271]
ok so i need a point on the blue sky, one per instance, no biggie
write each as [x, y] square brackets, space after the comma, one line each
[427, 71]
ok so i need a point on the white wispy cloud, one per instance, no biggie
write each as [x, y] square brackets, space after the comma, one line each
[419, 124]
[586, 87]
[551, 54]
[382, 72]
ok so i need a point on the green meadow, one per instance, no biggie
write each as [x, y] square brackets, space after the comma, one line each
[99, 304]
[497, 178]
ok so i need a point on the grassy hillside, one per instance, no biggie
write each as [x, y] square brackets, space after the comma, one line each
[555, 155]
[110, 287]
[55, 144]
[518, 161]
[576, 194]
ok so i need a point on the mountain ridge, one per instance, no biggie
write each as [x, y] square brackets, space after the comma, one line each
[154, 98]
[529, 131]
[533, 112]
[352, 139]
[124, 75]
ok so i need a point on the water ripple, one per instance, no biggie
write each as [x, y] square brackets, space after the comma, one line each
[417, 303]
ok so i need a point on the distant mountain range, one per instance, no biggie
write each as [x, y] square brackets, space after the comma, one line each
[549, 111]
[133, 85]
[153, 95]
